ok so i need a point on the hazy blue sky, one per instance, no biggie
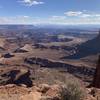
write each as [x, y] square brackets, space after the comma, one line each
[50, 11]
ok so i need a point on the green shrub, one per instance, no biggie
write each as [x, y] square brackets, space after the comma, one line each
[72, 92]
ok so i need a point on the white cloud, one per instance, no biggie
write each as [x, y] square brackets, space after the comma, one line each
[82, 14]
[84, 18]
[16, 20]
[97, 15]
[57, 17]
[31, 2]
[73, 13]
[85, 15]
[89, 15]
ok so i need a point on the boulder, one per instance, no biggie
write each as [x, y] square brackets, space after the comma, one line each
[54, 92]
[44, 88]
[31, 96]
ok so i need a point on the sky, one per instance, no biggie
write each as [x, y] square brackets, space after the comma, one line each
[67, 12]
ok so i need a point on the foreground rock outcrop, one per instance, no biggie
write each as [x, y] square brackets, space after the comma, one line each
[96, 81]
[41, 92]
[18, 76]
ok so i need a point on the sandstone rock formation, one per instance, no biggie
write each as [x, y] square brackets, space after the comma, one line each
[57, 64]
[13, 92]
[27, 47]
[8, 55]
[96, 81]
[19, 50]
[18, 76]
[87, 48]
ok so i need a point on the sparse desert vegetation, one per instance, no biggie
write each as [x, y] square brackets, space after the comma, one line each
[36, 66]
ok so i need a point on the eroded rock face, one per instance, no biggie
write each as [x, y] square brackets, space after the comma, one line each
[96, 81]
[13, 92]
[8, 55]
[56, 64]
[20, 51]
[88, 48]
[20, 76]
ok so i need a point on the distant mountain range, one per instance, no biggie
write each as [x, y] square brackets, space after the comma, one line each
[53, 26]
[17, 26]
